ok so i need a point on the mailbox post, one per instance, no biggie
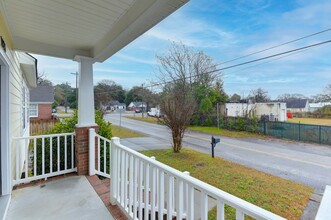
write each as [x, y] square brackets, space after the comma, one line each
[214, 141]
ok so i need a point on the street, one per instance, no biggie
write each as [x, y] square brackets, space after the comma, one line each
[309, 164]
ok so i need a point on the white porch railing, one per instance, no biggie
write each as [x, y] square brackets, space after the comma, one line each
[325, 206]
[147, 189]
[101, 165]
[40, 157]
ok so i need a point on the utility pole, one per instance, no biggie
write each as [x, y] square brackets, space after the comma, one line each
[120, 118]
[142, 100]
[76, 74]
[218, 116]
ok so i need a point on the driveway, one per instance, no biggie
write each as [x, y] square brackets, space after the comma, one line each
[309, 164]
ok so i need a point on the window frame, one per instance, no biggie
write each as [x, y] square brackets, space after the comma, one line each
[32, 109]
[25, 107]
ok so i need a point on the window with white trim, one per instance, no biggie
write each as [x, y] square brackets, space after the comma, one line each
[25, 105]
[33, 110]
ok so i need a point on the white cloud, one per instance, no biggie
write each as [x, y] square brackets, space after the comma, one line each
[192, 32]
[135, 59]
[110, 70]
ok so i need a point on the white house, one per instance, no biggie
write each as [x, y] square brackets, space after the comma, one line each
[18, 74]
[274, 110]
[297, 105]
[115, 105]
[84, 31]
[315, 106]
[133, 106]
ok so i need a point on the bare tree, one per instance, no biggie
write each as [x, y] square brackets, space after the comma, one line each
[42, 80]
[326, 96]
[286, 97]
[259, 95]
[178, 107]
[182, 70]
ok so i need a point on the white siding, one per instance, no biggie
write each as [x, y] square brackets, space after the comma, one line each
[277, 109]
[16, 81]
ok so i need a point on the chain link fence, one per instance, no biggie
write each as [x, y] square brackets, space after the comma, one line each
[292, 131]
[298, 132]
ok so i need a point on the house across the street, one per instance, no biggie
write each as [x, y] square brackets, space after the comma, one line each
[115, 105]
[137, 106]
[41, 99]
[297, 105]
[275, 111]
[315, 106]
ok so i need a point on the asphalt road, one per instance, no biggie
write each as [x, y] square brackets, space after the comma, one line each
[309, 164]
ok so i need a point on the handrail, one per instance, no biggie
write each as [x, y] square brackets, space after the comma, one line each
[323, 212]
[56, 156]
[95, 160]
[43, 136]
[242, 205]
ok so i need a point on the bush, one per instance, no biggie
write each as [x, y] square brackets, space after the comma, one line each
[67, 126]
[240, 124]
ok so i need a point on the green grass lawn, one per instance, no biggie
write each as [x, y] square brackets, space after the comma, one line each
[205, 129]
[283, 197]
[145, 119]
[124, 133]
[224, 132]
[312, 121]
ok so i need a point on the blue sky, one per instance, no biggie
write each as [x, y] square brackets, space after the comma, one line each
[226, 29]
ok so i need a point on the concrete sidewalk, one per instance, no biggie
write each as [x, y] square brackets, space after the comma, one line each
[68, 198]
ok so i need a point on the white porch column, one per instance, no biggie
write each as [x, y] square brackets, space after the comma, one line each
[85, 92]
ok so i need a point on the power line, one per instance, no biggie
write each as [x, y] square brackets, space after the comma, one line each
[245, 63]
[269, 61]
[273, 47]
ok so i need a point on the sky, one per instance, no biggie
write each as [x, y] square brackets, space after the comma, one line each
[224, 30]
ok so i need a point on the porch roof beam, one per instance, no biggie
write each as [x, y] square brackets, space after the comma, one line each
[66, 29]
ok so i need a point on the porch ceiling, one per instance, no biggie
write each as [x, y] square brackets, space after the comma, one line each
[66, 28]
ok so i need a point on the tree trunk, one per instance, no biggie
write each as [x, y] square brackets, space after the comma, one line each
[177, 141]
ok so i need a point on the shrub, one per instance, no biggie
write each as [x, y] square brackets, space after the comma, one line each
[240, 124]
[67, 126]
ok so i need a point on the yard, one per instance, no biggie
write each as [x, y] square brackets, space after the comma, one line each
[145, 119]
[205, 129]
[226, 133]
[283, 197]
[312, 121]
[124, 133]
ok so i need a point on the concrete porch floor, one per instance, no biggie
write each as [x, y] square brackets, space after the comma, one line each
[68, 198]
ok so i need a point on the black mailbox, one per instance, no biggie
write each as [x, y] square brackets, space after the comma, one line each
[214, 141]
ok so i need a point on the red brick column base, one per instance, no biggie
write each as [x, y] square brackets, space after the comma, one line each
[82, 149]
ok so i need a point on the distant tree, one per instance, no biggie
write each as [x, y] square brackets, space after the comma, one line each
[259, 95]
[42, 80]
[108, 90]
[286, 96]
[190, 85]
[235, 97]
[63, 93]
[326, 95]
[139, 93]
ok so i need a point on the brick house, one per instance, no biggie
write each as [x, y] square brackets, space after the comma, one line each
[41, 99]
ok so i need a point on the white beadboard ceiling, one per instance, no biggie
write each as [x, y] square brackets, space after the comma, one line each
[92, 28]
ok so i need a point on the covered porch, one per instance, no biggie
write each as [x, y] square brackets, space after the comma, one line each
[64, 198]
[142, 188]
[84, 31]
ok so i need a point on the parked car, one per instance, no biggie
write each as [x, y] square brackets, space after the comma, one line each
[137, 110]
[154, 112]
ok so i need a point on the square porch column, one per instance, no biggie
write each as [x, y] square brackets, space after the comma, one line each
[86, 117]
